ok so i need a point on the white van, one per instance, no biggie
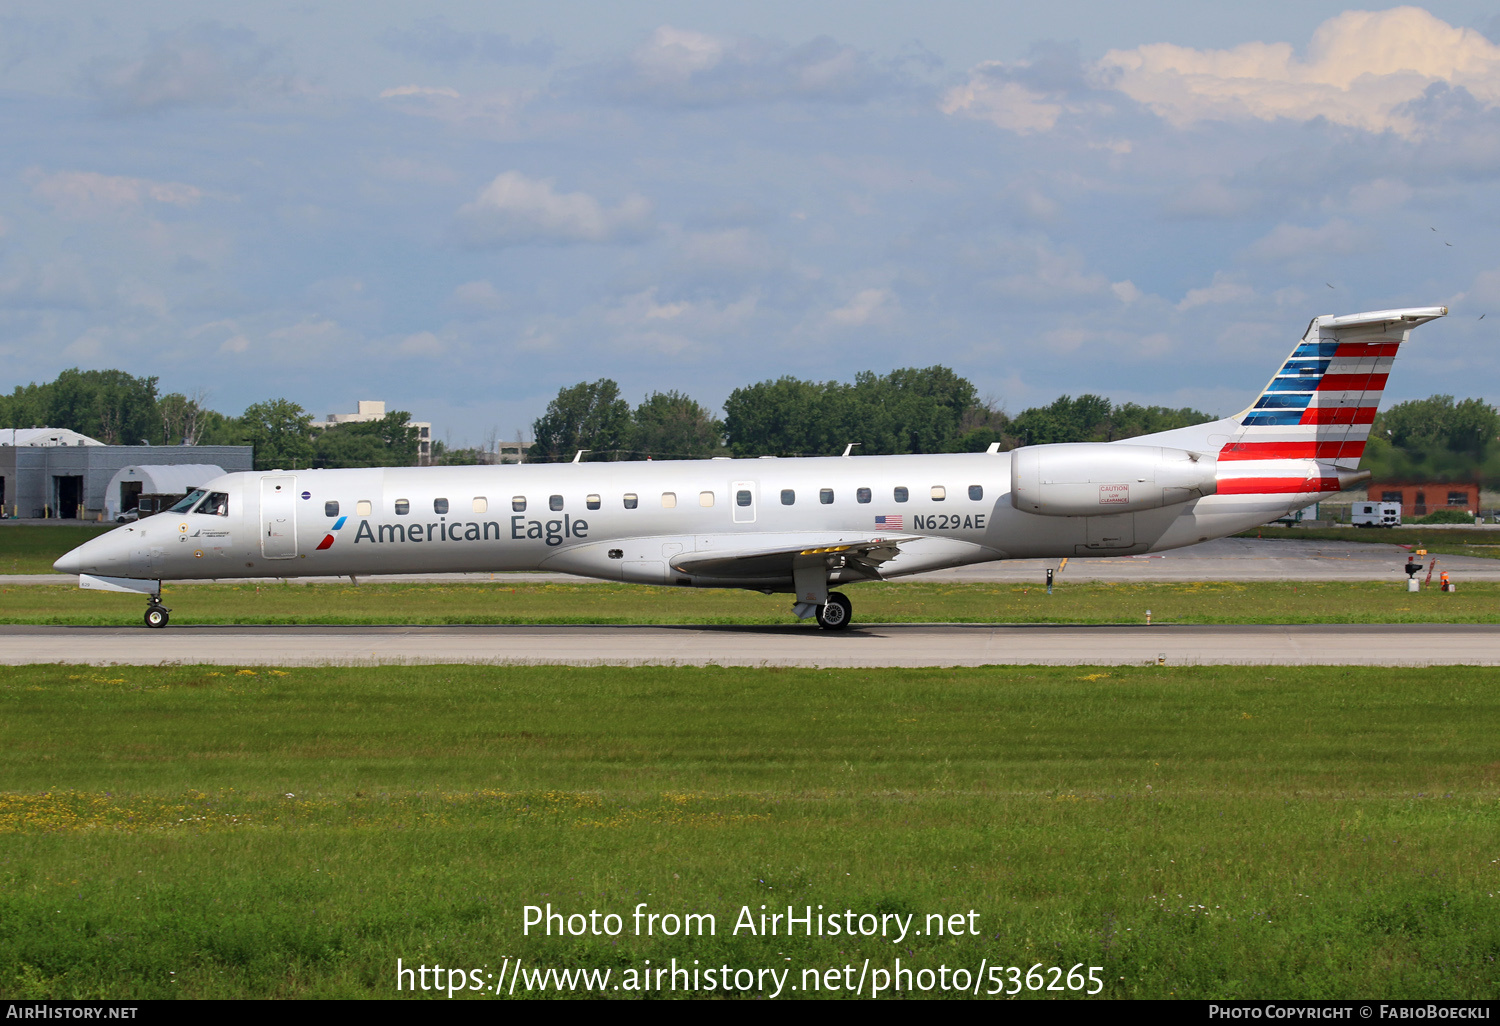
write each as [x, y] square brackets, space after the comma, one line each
[1376, 514]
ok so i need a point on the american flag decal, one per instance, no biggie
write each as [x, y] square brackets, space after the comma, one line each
[892, 522]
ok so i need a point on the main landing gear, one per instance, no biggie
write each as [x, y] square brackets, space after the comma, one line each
[835, 614]
[156, 613]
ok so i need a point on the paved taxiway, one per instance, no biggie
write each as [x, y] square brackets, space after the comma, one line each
[1226, 559]
[873, 645]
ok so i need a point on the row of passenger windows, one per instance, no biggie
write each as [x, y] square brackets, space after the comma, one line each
[938, 493]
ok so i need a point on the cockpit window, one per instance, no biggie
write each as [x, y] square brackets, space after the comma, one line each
[217, 504]
[188, 501]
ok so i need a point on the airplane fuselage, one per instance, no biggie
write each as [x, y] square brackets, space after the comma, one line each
[631, 521]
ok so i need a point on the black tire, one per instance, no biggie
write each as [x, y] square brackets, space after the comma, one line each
[837, 614]
[156, 616]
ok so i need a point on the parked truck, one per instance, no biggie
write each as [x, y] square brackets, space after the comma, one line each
[1375, 514]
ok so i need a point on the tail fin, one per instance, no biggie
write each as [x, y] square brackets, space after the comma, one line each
[1322, 401]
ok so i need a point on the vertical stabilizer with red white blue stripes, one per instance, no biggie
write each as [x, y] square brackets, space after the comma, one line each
[1319, 406]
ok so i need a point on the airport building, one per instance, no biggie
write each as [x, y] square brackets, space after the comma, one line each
[1419, 499]
[54, 472]
[374, 409]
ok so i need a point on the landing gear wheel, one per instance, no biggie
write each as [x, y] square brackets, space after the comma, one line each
[836, 614]
[156, 616]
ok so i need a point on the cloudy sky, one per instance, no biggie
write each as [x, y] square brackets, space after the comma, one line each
[460, 208]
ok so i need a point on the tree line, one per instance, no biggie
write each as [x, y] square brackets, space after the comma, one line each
[120, 409]
[911, 410]
[1435, 439]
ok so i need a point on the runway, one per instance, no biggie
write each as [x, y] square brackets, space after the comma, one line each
[871, 645]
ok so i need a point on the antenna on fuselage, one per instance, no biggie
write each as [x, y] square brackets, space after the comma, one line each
[579, 457]
[849, 449]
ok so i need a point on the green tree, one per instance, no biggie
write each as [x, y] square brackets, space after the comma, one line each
[670, 425]
[1435, 439]
[1084, 419]
[281, 432]
[1130, 420]
[587, 416]
[387, 442]
[110, 405]
[179, 416]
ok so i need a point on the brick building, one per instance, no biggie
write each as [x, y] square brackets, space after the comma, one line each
[1417, 500]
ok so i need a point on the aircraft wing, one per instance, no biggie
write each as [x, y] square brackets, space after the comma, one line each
[857, 558]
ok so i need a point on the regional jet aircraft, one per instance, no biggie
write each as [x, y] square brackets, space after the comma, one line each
[798, 526]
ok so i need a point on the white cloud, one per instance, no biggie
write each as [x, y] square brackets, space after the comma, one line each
[1050, 276]
[418, 90]
[1222, 290]
[478, 297]
[682, 67]
[869, 307]
[1125, 291]
[201, 65]
[644, 310]
[87, 193]
[1005, 104]
[1296, 244]
[1360, 69]
[514, 209]
[422, 343]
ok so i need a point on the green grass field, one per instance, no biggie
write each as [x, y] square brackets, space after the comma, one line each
[274, 603]
[32, 549]
[1206, 832]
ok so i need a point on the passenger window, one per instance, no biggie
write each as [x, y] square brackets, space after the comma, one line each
[592, 502]
[440, 505]
[939, 493]
[705, 498]
[330, 509]
[481, 504]
[976, 492]
[825, 496]
[363, 507]
[668, 500]
[632, 500]
[402, 507]
[788, 496]
[900, 495]
[518, 503]
[742, 497]
[555, 502]
[862, 495]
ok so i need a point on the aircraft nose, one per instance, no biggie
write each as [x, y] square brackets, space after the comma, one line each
[106, 554]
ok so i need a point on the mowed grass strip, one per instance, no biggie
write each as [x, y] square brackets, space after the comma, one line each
[899, 602]
[32, 549]
[1198, 832]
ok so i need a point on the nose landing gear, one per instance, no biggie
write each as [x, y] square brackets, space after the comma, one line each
[156, 613]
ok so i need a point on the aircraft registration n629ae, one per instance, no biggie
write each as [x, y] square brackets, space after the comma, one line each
[795, 526]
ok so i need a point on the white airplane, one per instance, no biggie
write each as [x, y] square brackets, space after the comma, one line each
[786, 525]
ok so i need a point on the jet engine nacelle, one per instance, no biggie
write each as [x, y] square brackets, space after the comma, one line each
[1098, 478]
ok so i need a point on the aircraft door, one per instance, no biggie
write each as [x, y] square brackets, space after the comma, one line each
[742, 495]
[278, 517]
